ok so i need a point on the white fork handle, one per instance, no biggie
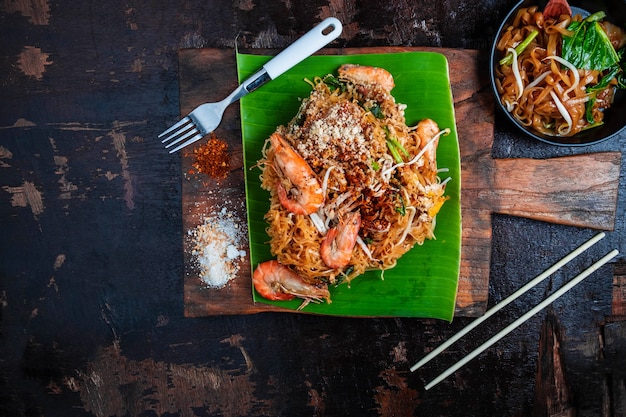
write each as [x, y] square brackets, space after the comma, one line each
[312, 41]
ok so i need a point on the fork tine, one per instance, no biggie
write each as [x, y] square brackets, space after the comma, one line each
[183, 136]
[182, 131]
[175, 126]
[189, 142]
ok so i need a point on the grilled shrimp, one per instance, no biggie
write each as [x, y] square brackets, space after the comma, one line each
[337, 246]
[275, 281]
[361, 74]
[427, 129]
[306, 195]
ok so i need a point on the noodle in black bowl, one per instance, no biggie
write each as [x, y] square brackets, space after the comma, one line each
[614, 117]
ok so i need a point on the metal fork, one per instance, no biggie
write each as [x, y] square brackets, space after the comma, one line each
[205, 118]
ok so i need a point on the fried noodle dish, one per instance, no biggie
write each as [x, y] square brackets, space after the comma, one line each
[352, 187]
[559, 73]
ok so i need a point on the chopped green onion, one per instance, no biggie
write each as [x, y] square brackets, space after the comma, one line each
[376, 111]
[402, 208]
[395, 147]
[596, 17]
[508, 59]
[399, 146]
[591, 126]
[394, 152]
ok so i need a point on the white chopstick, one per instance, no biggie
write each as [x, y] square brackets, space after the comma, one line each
[523, 318]
[508, 300]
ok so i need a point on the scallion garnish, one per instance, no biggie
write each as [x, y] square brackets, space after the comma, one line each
[508, 59]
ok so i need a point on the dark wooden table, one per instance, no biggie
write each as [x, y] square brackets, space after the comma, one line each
[91, 256]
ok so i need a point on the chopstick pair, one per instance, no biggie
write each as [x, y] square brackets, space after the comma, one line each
[575, 281]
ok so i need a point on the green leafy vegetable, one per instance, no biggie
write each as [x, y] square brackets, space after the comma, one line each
[334, 83]
[621, 77]
[589, 46]
[606, 79]
[593, 91]
[589, 109]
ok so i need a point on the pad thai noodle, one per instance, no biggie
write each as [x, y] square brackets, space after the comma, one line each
[352, 187]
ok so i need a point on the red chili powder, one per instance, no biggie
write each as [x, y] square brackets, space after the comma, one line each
[212, 158]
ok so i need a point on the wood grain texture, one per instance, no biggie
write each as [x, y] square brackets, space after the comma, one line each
[619, 291]
[91, 262]
[531, 188]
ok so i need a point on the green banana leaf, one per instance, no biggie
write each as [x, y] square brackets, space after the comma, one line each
[424, 282]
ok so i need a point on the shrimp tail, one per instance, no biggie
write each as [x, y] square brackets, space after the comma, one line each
[275, 281]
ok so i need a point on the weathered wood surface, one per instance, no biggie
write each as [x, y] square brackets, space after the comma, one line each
[531, 188]
[91, 292]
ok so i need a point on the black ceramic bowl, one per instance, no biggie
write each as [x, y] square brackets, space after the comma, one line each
[615, 116]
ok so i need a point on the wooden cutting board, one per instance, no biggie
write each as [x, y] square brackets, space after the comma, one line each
[531, 188]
